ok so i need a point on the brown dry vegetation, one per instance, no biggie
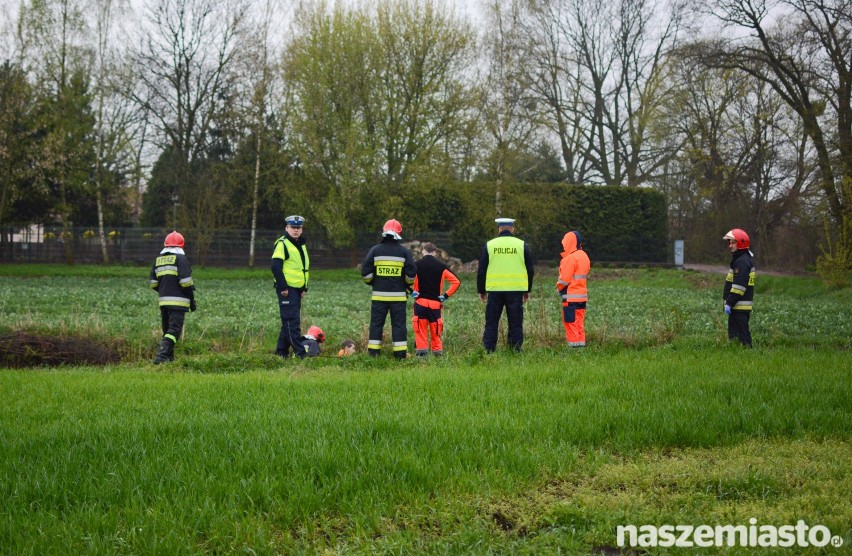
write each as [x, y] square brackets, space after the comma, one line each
[23, 349]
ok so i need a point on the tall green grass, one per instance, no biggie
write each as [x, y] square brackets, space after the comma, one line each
[405, 457]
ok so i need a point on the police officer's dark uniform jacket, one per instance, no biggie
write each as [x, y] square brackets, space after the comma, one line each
[291, 272]
[506, 271]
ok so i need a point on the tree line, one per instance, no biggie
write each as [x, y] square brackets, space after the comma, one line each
[209, 114]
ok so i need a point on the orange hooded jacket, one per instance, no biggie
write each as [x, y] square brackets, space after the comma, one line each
[573, 270]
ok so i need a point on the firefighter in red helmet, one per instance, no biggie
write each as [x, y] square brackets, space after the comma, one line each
[313, 340]
[171, 277]
[738, 294]
[389, 268]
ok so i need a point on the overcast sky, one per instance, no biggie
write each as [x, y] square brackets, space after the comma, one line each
[469, 9]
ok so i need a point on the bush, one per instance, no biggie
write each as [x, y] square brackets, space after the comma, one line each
[835, 262]
[617, 223]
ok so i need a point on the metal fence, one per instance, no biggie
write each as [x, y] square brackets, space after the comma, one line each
[230, 248]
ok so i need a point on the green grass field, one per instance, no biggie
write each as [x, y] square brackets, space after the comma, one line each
[230, 449]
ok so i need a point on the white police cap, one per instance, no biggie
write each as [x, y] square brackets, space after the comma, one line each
[297, 221]
[505, 221]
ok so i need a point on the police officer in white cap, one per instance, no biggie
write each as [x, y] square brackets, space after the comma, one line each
[505, 279]
[291, 268]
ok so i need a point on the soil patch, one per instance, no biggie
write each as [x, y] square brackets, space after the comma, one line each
[23, 349]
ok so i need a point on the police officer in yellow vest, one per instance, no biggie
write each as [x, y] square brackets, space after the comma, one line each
[505, 279]
[290, 267]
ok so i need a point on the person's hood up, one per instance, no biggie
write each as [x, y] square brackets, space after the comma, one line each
[569, 242]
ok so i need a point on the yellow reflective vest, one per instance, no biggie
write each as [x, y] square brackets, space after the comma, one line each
[506, 271]
[295, 273]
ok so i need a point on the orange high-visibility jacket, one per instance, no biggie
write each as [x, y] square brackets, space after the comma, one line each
[573, 270]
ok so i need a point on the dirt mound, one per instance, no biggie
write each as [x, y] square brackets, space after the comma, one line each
[22, 349]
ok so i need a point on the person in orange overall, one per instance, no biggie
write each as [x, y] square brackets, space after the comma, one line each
[428, 301]
[571, 286]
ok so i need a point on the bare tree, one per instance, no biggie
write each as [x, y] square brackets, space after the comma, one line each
[136, 127]
[184, 65]
[509, 112]
[113, 112]
[742, 160]
[599, 68]
[262, 75]
[647, 34]
[551, 69]
[103, 24]
[806, 57]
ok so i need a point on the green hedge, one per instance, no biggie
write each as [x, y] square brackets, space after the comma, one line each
[617, 223]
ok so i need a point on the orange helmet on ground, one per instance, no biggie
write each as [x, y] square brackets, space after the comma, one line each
[317, 333]
[739, 236]
[174, 239]
[392, 228]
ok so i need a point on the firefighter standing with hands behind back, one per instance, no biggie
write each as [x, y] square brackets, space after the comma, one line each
[291, 269]
[171, 277]
[739, 286]
[428, 301]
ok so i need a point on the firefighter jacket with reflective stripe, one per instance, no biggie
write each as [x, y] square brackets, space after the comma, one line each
[171, 277]
[506, 265]
[431, 274]
[291, 264]
[739, 284]
[389, 268]
[573, 271]
[312, 346]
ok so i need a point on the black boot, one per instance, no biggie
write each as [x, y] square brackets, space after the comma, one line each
[166, 352]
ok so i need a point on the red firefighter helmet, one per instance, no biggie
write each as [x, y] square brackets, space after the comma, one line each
[317, 333]
[739, 236]
[174, 239]
[392, 228]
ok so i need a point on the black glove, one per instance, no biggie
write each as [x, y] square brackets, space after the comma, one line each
[192, 304]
